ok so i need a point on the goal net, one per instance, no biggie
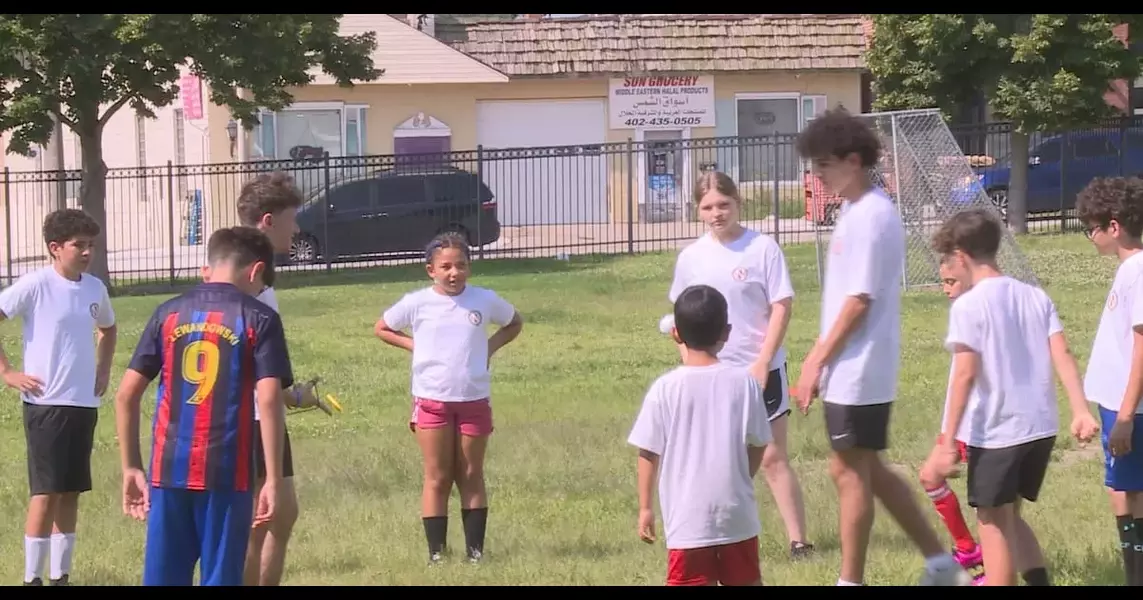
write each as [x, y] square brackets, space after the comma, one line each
[930, 179]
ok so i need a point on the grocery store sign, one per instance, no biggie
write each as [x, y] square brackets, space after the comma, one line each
[661, 102]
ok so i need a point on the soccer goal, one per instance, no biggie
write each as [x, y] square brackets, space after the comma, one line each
[930, 179]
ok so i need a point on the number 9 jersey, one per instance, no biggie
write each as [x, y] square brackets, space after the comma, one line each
[209, 347]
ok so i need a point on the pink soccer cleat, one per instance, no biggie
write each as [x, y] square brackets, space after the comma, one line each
[973, 562]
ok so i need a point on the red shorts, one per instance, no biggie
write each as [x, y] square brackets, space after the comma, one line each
[732, 564]
[472, 418]
[961, 448]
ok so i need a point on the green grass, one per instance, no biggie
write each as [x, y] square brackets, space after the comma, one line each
[561, 478]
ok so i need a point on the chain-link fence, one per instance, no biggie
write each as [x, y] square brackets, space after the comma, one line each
[930, 179]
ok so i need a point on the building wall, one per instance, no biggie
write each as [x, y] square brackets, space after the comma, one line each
[136, 151]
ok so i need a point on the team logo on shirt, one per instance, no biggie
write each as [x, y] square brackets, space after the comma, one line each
[1112, 300]
[475, 317]
[739, 274]
[94, 310]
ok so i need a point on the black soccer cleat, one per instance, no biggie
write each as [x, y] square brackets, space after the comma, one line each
[63, 580]
[37, 582]
[475, 556]
[436, 558]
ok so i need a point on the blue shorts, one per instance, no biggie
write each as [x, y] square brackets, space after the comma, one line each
[188, 526]
[1122, 473]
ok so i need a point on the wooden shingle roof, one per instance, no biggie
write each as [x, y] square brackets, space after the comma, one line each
[631, 44]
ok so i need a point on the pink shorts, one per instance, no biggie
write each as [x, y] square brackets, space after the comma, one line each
[472, 418]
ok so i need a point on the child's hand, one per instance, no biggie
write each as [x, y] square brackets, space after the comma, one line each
[1084, 427]
[1119, 439]
[944, 461]
[647, 526]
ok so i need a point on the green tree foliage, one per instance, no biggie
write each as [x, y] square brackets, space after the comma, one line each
[81, 69]
[1041, 72]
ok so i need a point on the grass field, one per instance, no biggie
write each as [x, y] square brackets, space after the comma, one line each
[561, 478]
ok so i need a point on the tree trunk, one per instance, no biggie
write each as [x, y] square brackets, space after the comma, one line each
[53, 166]
[1018, 183]
[93, 192]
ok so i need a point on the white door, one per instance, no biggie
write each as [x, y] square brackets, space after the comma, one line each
[543, 161]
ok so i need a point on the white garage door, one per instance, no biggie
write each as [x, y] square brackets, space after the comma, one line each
[543, 160]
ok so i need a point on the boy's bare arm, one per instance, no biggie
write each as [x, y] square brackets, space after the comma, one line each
[852, 314]
[127, 400]
[1131, 395]
[1068, 372]
[966, 364]
[648, 474]
[272, 424]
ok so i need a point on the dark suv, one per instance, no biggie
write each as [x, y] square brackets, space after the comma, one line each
[394, 211]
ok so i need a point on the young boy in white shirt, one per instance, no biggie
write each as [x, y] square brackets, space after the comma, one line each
[965, 549]
[749, 270]
[270, 203]
[451, 385]
[855, 359]
[701, 432]
[1006, 338]
[63, 377]
[1112, 211]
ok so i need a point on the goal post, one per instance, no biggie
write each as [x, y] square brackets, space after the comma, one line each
[930, 179]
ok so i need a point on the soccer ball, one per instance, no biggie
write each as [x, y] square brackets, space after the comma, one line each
[666, 324]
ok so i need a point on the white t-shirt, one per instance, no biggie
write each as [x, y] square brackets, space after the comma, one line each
[699, 420]
[59, 317]
[751, 274]
[450, 340]
[1013, 401]
[866, 252]
[1110, 364]
[269, 298]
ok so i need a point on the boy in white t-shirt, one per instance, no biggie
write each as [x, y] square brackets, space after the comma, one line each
[855, 359]
[270, 203]
[1006, 338]
[749, 270]
[701, 432]
[452, 416]
[1112, 211]
[63, 377]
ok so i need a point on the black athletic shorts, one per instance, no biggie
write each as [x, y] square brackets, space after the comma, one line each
[60, 439]
[863, 427]
[260, 455]
[776, 394]
[999, 476]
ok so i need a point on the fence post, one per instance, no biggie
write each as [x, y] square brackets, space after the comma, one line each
[480, 200]
[8, 225]
[630, 196]
[900, 200]
[776, 203]
[171, 219]
[328, 250]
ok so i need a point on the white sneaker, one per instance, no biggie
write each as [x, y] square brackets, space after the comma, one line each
[952, 575]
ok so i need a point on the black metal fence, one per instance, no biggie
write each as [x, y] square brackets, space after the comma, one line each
[625, 197]
[1060, 164]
